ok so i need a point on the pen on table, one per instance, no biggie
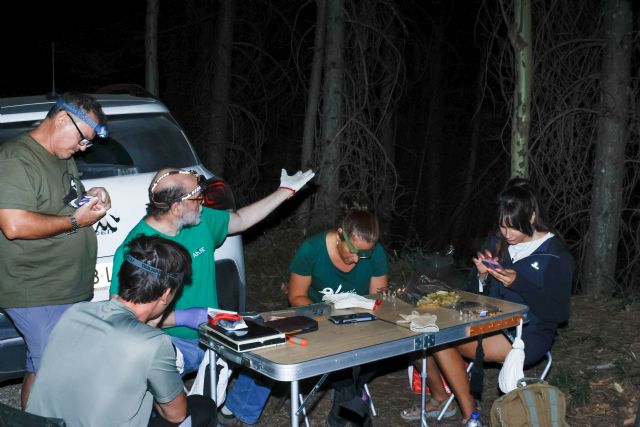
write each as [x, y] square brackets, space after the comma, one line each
[297, 340]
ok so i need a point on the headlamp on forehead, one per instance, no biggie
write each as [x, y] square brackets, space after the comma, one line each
[100, 130]
[201, 186]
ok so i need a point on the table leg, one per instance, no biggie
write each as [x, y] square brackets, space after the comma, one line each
[423, 398]
[295, 390]
[213, 375]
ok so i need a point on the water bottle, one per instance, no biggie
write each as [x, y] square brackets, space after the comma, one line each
[474, 420]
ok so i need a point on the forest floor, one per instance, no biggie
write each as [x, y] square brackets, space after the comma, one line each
[595, 357]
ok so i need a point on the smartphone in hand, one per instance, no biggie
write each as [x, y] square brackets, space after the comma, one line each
[488, 262]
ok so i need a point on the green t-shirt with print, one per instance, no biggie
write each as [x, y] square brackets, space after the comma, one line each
[201, 241]
[312, 259]
[52, 270]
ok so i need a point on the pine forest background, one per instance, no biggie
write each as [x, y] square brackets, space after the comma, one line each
[403, 106]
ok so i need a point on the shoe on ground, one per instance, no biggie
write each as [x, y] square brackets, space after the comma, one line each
[413, 413]
[230, 421]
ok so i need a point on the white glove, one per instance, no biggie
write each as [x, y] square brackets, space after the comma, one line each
[420, 322]
[295, 182]
[350, 300]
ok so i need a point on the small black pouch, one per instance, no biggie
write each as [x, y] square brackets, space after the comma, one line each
[293, 325]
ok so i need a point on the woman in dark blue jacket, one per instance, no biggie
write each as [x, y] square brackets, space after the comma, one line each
[535, 269]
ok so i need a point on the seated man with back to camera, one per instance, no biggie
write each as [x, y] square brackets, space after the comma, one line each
[104, 366]
[175, 212]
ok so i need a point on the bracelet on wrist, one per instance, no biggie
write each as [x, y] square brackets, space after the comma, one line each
[293, 192]
[74, 224]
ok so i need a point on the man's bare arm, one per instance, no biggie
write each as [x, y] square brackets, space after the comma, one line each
[23, 224]
[250, 215]
[174, 411]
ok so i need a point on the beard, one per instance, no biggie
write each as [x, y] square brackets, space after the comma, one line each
[192, 218]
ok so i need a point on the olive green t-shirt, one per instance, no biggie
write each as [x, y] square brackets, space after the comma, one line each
[312, 259]
[201, 241]
[52, 270]
[103, 367]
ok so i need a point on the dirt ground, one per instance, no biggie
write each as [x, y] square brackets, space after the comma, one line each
[595, 365]
[595, 355]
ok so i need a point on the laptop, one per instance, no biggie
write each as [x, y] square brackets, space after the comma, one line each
[256, 336]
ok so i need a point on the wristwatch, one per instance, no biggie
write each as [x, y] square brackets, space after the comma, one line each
[74, 224]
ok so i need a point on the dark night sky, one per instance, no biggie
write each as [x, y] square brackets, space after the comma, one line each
[85, 35]
[97, 44]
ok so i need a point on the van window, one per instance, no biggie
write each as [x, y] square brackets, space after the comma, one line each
[138, 143]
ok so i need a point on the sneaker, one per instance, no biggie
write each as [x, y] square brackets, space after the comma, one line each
[413, 413]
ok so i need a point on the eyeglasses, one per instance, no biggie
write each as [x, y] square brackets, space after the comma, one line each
[362, 253]
[200, 187]
[83, 140]
[199, 199]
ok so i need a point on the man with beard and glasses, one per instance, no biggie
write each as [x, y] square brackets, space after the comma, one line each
[175, 212]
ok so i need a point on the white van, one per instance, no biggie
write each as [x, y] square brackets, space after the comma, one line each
[143, 138]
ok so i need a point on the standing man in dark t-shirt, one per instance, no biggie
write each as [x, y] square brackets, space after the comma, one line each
[47, 245]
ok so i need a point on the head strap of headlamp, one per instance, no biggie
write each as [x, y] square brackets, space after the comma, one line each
[151, 269]
[100, 130]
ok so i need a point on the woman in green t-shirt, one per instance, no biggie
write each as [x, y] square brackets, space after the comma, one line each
[347, 259]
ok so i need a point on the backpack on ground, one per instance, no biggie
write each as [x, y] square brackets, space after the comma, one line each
[533, 403]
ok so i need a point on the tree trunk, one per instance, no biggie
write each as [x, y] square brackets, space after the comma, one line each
[387, 127]
[521, 121]
[429, 158]
[602, 241]
[216, 150]
[470, 181]
[327, 198]
[151, 47]
[315, 81]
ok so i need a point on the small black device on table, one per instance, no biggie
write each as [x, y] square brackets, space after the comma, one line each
[351, 318]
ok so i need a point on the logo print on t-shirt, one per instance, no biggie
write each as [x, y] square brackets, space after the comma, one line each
[330, 291]
[199, 252]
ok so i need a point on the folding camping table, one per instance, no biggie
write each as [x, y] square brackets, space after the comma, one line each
[335, 347]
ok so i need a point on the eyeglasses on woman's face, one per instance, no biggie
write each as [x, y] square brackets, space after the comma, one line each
[362, 253]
